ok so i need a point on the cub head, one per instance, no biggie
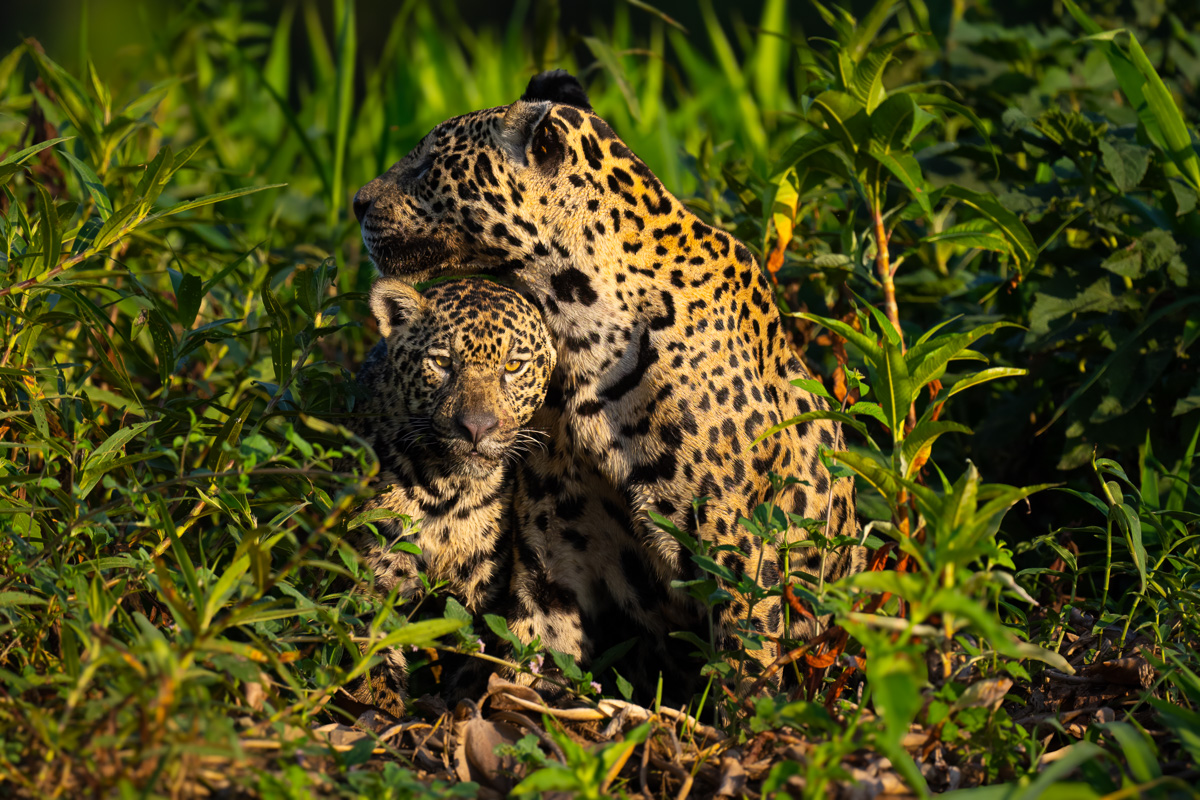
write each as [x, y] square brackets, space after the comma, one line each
[468, 362]
[505, 188]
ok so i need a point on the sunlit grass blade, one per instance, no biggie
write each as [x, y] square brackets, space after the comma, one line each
[347, 50]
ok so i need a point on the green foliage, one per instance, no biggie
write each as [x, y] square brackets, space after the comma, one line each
[970, 204]
[587, 773]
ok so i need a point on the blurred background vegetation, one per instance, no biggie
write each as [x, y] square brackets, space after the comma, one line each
[180, 300]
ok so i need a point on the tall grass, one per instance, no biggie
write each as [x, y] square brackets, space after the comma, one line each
[181, 309]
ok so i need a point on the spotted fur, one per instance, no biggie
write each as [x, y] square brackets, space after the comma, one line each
[461, 370]
[672, 358]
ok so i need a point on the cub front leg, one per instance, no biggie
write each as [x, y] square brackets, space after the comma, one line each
[385, 685]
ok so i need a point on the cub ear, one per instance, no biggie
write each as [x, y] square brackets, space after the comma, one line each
[557, 86]
[394, 303]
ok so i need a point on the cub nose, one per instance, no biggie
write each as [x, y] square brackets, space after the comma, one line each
[477, 424]
[362, 203]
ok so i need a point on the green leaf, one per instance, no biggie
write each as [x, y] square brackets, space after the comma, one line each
[1139, 753]
[881, 478]
[813, 386]
[905, 585]
[51, 229]
[187, 299]
[1126, 342]
[870, 409]
[114, 227]
[893, 389]
[1177, 141]
[845, 118]
[984, 376]
[927, 100]
[1125, 161]
[21, 156]
[801, 149]
[379, 515]
[1182, 722]
[863, 342]
[892, 122]
[91, 184]
[343, 105]
[225, 585]
[280, 336]
[866, 30]
[867, 83]
[553, 778]
[104, 457]
[906, 169]
[885, 325]
[713, 567]
[163, 339]
[1127, 519]
[1024, 249]
[157, 172]
[567, 664]
[809, 416]
[924, 434]
[229, 432]
[979, 232]
[499, 626]
[927, 361]
[421, 634]
[1154, 251]
[1179, 489]
[1147, 94]
[1077, 755]
[8, 599]
[896, 678]
[208, 200]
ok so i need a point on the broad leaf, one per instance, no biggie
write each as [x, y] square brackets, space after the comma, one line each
[1024, 249]
[927, 361]
[983, 376]
[893, 388]
[892, 121]
[860, 340]
[809, 416]
[874, 473]
[921, 439]
[104, 457]
[801, 149]
[845, 118]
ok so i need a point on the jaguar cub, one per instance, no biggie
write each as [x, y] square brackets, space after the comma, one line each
[461, 369]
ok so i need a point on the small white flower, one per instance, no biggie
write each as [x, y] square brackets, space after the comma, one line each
[480, 643]
[595, 687]
[536, 666]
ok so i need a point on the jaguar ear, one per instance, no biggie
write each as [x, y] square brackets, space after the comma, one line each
[394, 303]
[530, 136]
[529, 133]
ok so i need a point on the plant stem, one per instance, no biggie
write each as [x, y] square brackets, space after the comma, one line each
[1107, 569]
[884, 267]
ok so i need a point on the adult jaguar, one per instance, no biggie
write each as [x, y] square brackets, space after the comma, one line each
[461, 369]
[672, 357]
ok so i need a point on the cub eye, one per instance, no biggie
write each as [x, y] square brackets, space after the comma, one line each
[442, 362]
[514, 365]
